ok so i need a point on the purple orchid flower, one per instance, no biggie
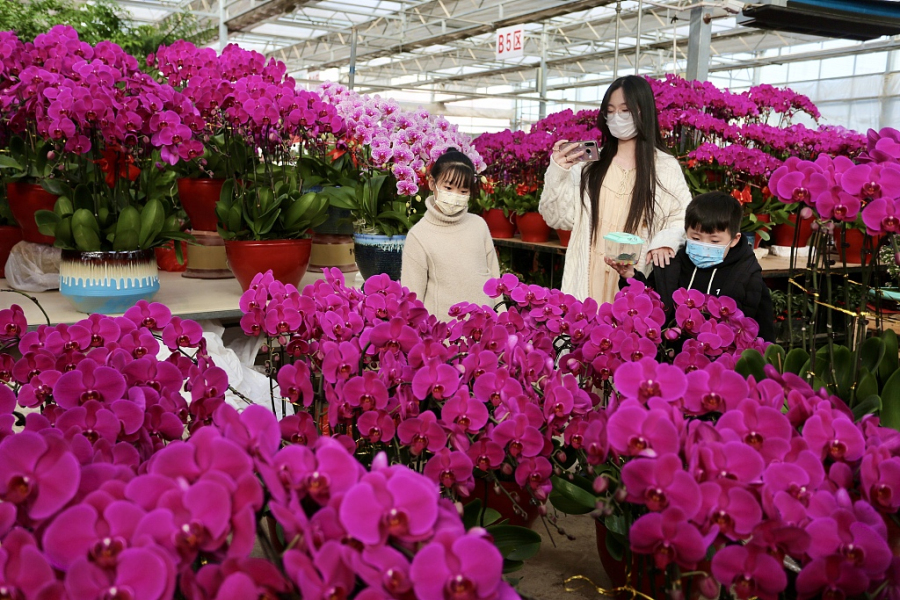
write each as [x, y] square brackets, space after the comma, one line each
[400, 504]
[831, 576]
[422, 433]
[748, 572]
[152, 315]
[435, 379]
[634, 430]
[648, 379]
[376, 426]
[452, 470]
[735, 510]
[182, 333]
[295, 383]
[464, 568]
[662, 482]
[669, 537]
[713, 389]
[89, 381]
[38, 473]
[12, 323]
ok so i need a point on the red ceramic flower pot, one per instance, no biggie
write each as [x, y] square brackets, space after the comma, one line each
[199, 197]
[9, 237]
[564, 236]
[783, 235]
[25, 199]
[853, 246]
[500, 225]
[502, 503]
[533, 227]
[288, 259]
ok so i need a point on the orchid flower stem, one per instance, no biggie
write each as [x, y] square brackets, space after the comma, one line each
[32, 298]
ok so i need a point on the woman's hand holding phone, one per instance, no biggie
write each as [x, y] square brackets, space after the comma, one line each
[565, 153]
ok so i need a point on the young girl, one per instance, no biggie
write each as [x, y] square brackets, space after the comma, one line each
[449, 254]
[635, 187]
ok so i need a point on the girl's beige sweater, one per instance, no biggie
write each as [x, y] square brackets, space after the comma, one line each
[448, 259]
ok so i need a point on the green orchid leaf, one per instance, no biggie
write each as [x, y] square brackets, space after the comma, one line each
[47, 221]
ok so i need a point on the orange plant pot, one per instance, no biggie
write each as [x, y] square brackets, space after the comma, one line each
[564, 236]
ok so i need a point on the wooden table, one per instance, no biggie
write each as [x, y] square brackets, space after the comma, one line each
[188, 298]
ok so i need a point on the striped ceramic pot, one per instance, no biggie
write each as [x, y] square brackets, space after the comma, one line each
[107, 282]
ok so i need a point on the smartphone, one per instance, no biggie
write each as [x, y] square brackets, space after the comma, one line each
[591, 151]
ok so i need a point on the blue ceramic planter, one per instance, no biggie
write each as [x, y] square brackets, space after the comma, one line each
[379, 254]
[107, 282]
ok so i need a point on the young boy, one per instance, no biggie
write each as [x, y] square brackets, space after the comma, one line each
[714, 260]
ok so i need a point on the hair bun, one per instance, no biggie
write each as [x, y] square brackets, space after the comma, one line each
[451, 149]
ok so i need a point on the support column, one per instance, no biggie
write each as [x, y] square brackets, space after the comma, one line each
[616, 53]
[637, 39]
[223, 28]
[887, 101]
[352, 58]
[698, 45]
[542, 74]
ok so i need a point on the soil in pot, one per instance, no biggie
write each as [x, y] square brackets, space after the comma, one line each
[533, 227]
[288, 259]
[499, 224]
[25, 199]
[9, 237]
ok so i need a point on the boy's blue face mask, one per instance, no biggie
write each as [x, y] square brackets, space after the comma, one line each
[705, 255]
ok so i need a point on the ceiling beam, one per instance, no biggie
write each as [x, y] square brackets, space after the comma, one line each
[341, 48]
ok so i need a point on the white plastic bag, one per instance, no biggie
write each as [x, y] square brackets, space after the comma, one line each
[33, 267]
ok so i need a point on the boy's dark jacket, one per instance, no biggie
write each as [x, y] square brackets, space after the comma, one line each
[739, 277]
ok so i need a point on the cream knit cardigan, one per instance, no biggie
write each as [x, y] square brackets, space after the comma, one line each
[448, 259]
[562, 208]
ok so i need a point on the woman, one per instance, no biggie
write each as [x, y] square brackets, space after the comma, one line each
[636, 186]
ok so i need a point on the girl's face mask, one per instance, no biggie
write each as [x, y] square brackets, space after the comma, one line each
[450, 203]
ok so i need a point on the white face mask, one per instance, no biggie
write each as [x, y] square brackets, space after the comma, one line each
[450, 203]
[621, 125]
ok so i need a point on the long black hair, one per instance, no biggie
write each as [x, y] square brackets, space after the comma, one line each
[642, 106]
[457, 169]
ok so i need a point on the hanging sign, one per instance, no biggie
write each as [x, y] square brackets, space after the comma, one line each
[510, 42]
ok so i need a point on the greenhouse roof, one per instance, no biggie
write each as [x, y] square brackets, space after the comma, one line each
[447, 47]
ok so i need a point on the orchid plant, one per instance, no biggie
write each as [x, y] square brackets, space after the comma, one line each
[725, 141]
[131, 477]
[256, 127]
[95, 131]
[389, 151]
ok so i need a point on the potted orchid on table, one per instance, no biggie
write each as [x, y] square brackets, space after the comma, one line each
[259, 127]
[110, 129]
[389, 150]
